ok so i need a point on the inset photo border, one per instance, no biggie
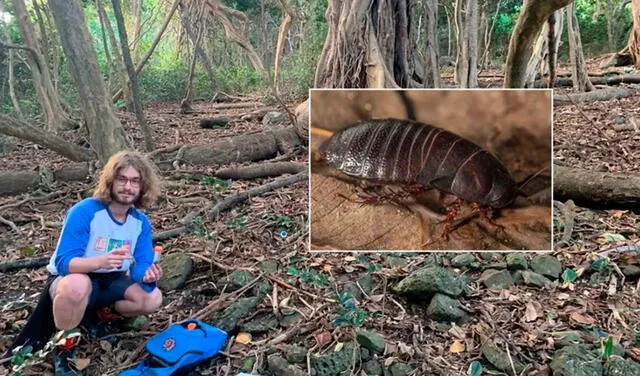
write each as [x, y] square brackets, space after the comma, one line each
[415, 170]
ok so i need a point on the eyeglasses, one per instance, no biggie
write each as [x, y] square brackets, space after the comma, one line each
[123, 180]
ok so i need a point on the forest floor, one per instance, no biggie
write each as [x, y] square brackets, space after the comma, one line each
[305, 311]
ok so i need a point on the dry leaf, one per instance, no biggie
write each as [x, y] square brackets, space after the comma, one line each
[405, 349]
[285, 302]
[530, 313]
[243, 338]
[106, 346]
[80, 363]
[349, 258]
[327, 268]
[338, 347]
[457, 347]
[323, 338]
[376, 298]
[582, 319]
[457, 332]
[618, 213]
[563, 296]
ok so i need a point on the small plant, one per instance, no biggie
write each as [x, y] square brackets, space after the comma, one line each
[198, 229]
[283, 222]
[371, 267]
[349, 313]
[608, 348]
[237, 223]
[218, 185]
[310, 276]
[569, 275]
[601, 265]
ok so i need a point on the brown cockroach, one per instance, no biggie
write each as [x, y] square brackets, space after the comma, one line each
[412, 153]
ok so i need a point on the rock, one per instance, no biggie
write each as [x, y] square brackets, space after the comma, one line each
[517, 261]
[236, 280]
[495, 265]
[571, 338]
[631, 271]
[262, 288]
[496, 279]
[370, 340]
[597, 279]
[463, 260]
[546, 265]
[530, 278]
[261, 324]
[491, 256]
[176, 269]
[447, 309]
[135, 323]
[216, 122]
[617, 366]
[296, 354]
[353, 290]
[335, 363]
[427, 281]
[269, 266]
[230, 317]
[372, 368]
[499, 358]
[279, 366]
[576, 360]
[302, 120]
[273, 118]
[394, 261]
[365, 354]
[399, 369]
[290, 318]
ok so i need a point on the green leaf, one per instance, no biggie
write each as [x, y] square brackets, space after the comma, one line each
[27, 251]
[475, 369]
[608, 347]
[362, 259]
[293, 271]
[237, 223]
[599, 264]
[613, 237]
[569, 275]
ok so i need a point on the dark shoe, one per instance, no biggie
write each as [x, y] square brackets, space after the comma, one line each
[103, 324]
[65, 351]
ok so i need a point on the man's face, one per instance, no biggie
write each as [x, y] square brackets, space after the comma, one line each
[126, 187]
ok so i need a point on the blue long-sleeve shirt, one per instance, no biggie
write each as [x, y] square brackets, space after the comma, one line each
[90, 230]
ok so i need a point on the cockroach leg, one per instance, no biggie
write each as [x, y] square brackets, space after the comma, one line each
[486, 215]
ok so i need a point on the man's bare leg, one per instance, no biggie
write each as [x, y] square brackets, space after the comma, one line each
[70, 300]
[139, 302]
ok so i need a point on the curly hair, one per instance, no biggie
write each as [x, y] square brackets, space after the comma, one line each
[149, 181]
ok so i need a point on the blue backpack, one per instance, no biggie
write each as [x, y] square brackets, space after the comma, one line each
[179, 349]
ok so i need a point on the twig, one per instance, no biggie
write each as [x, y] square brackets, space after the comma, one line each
[10, 224]
[285, 284]
[513, 367]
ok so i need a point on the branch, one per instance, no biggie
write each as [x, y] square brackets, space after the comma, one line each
[22, 130]
[17, 47]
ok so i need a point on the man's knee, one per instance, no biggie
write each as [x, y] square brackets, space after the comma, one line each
[152, 301]
[74, 287]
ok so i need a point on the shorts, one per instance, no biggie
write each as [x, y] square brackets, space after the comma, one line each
[106, 288]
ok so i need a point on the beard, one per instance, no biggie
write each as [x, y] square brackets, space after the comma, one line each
[124, 197]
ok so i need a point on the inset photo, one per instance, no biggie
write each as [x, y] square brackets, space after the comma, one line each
[431, 169]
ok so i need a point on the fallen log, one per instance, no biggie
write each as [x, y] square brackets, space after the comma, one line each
[592, 96]
[596, 80]
[260, 170]
[237, 149]
[600, 189]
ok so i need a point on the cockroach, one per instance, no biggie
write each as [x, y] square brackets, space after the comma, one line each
[412, 153]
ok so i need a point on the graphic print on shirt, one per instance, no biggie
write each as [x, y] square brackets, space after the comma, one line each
[115, 244]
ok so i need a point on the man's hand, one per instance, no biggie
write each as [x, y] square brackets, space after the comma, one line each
[115, 258]
[153, 274]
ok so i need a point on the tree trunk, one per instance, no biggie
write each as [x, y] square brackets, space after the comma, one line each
[133, 77]
[446, 8]
[186, 23]
[634, 38]
[122, 71]
[54, 115]
[105, 131]
[136, 13]
[459, 73]
[467, 57]
[539, 62]
[284, 28]
[432, 67]
[103, 29]
[10, 77]
[22, 130]
[578, 64]
[367, 45]
[156, 40]
[532, 16]
[488, 36]
[596, 188]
